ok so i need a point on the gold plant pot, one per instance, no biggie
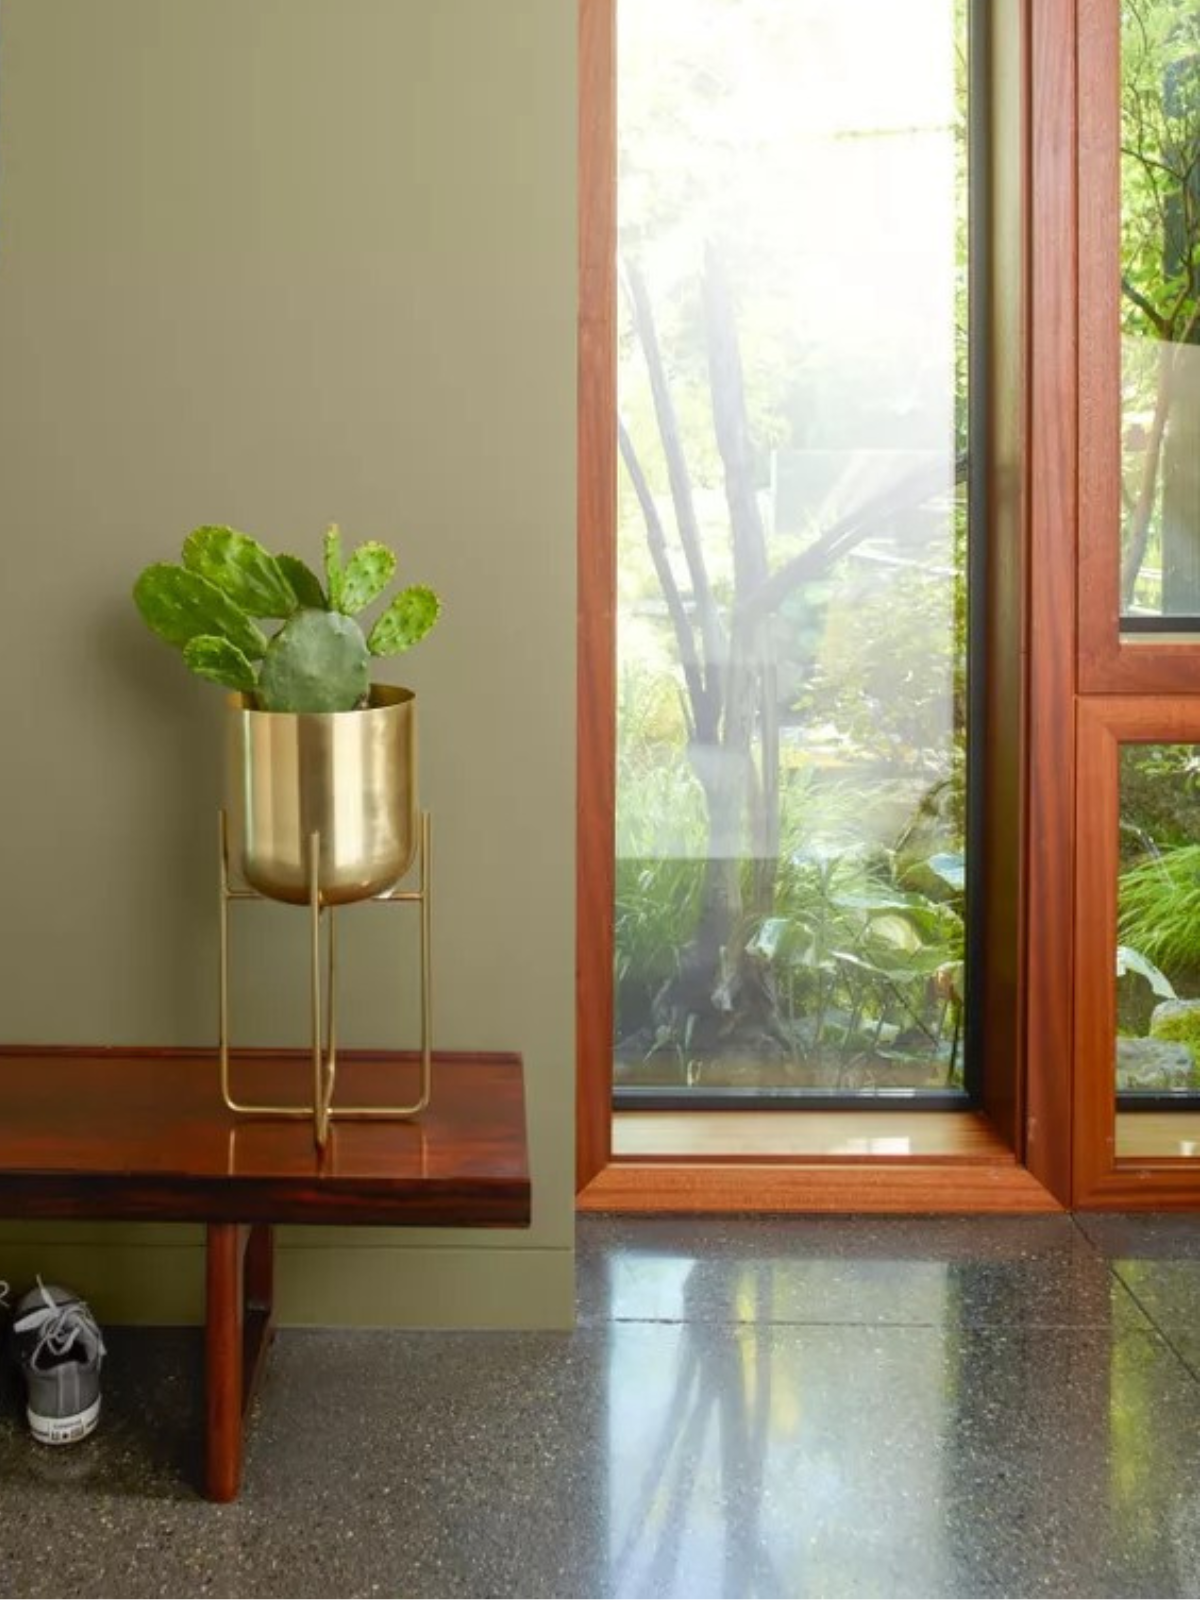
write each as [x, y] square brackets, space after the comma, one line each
[349, 777]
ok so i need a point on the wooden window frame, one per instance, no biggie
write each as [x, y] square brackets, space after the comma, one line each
[1103, 1180]
[1029, 1097]
[1108, 662]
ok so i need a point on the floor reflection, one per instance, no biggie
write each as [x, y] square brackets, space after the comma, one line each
[892, 1422]
[747, 1407]
[749, 1461]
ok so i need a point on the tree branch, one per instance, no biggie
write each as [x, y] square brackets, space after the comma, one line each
[1154, 317]
[844, 535]
[711, 632]
[753, 694]
[703, 719]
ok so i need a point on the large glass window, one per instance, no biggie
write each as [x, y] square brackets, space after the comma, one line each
[1160, 280]
[792, 547]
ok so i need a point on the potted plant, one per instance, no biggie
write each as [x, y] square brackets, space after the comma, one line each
[321, 783]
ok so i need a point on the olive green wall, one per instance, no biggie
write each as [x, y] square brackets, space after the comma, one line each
[276, 263]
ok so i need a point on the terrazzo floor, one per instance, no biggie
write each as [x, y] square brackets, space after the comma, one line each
[747, 1407]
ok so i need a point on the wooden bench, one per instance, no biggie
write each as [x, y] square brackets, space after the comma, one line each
[142, 1136]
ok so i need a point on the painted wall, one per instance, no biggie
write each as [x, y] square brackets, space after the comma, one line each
[276, 263]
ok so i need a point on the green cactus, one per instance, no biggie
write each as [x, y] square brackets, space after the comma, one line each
[219, 662]
[242, 569]
[368, 573]
[318, 661]
[305, 584]
[180, 606]
[405, 622]
[334, 577]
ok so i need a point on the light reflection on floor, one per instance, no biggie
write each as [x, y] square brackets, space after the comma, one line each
[735, 1471]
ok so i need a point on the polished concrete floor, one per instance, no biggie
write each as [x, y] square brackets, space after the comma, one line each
[747, 1407]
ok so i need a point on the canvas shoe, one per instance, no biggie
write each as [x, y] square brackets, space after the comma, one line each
[59, 1349]
[5, 1313]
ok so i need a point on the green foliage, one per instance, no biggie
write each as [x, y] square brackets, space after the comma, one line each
[334, 571]
[180, 606]
[1159, 908]
[1180, 1023]
[405, 622]
[306, 586]
[318, 660]
[219, 661]
[239, 566]
[1160, 136]
[1160, 798]
[861, 963]
[368, 572]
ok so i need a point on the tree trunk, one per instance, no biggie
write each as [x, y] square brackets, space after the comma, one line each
[1143, 507]
[1181, 489]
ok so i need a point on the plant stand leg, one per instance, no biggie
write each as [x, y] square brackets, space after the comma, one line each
[238, 1330]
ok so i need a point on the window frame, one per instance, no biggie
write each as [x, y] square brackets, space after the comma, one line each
[1025, 1010]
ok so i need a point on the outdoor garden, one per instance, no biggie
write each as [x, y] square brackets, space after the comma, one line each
[1158, 958]
[793, 543]
[792, 547]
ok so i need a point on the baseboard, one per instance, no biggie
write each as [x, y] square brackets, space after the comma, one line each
[132, 1281]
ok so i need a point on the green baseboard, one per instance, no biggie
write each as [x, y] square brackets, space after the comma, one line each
[136, 1275]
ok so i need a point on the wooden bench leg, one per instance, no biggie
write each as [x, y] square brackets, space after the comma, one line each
[238, 1330]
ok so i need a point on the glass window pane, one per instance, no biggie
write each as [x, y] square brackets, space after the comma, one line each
[1160, 276]
[792, 545]
[1158, 950]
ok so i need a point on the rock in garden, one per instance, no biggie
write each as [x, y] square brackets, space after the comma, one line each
[1153, 1064]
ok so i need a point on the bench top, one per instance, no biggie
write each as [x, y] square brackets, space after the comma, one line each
[142, 1135]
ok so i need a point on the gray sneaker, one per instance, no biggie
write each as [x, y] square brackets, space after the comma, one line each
[58, 1348]
[5, 1314]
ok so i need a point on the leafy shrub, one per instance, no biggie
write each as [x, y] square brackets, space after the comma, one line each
[1159, 911]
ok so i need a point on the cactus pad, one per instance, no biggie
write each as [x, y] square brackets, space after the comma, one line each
[180, 605]
[316, 662]
[334, 577]
[305, 584]
[219, 662]
[368, 573]
[242, 569]
[405, 622]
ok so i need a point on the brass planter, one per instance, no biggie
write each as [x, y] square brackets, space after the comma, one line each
[322, 811]
[348, 776]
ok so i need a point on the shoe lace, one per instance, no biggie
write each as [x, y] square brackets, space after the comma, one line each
[58, 1326]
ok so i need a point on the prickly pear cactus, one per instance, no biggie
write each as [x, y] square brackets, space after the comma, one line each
[405, 622]
[318, 661]
[180, 606]
[368, 573]
[334, 575]
[242, 569]
[306, 586]
[219, 662]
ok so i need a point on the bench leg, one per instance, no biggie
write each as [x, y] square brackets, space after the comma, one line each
[238, 1329]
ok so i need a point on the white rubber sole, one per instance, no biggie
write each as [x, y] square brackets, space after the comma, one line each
[64, 1430]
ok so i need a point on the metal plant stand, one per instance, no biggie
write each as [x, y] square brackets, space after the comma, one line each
[322, 1109]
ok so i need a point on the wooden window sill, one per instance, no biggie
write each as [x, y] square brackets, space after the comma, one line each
[824, 1161]
[858, 1135]
[1157, 1135]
